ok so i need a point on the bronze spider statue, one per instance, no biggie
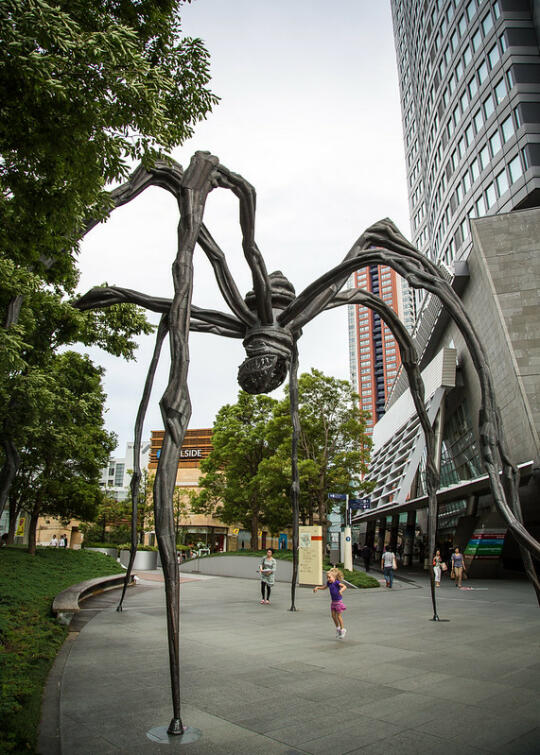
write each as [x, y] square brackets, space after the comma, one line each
[270, 320]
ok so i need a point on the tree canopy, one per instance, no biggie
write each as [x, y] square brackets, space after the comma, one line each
[86, 86]
[66, 445]
[247, 476]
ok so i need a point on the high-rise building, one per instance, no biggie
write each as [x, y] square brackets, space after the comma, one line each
[373, 353]
[469, 73]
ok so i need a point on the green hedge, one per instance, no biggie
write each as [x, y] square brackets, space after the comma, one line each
[30, 636]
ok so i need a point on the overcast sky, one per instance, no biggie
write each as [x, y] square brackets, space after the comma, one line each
[309, 115]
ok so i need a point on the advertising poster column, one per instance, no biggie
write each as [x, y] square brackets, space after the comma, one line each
[310, 555]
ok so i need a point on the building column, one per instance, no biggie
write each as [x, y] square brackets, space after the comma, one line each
[370, 534]
[394, 532]
[380, 534]
[409, 538]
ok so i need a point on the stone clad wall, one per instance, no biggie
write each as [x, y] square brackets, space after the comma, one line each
[503, 300]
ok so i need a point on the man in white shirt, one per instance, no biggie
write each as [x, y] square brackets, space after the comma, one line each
[388, 561]
[54, 541]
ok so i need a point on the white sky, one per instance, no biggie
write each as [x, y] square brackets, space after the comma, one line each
[310, 116]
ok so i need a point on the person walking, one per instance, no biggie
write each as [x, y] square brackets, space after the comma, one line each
[267, 570]
[388, 564]
[54, 542]
[437, 567]
[366, 555]
[458, 566]
[337, 587]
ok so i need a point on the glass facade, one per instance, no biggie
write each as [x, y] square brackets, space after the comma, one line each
[469, 75]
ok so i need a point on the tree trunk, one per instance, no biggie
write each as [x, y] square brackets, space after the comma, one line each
[32, 529]
[13, 514]
[9, 469]
[255, 532]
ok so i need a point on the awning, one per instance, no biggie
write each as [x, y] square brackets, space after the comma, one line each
[456, 492]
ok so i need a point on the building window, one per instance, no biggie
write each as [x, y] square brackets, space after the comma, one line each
[487, 23]
[496, 9]
[502, 41]
[517, 116]
[507, 127]
[502, 182]
[477, 40]
[493, 56]
[495, 143]
[473, 87]
[484, 157]
[475, 169]
[515, 169]
[462, 26]
[489, 106]
[469, 134]
[480, 207]
[464, 226]
[483, 72]
[471, 10]
[459, 70]
[500, 91]
[490, 196]
[478, 121]
[461, 147]
[467, 55]
[467, 182]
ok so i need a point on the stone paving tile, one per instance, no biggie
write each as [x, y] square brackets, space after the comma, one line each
[400, 674]
[412, 743]
[364, 732]
[527, 744]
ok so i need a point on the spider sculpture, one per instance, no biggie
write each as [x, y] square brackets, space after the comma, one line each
[269, 320]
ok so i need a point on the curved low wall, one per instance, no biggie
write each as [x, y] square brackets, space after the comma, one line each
[144, 560]
[246, 567]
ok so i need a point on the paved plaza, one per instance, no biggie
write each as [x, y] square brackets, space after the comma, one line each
[260, 679]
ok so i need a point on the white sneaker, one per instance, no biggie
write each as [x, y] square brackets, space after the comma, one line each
[338, 633]
[343, 633]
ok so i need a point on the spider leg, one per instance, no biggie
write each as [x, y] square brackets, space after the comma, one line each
[202, 320]
[224, 279]
[245, 192]
[162, 331]
[176, 406]
[409, 359]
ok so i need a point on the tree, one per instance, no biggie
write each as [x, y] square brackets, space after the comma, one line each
[67, 446]
[232, 488]
[87, 87]
[109, 512]
[333, 449]
[48, 323]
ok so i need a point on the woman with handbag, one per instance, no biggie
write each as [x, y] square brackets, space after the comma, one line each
[458, 566]
[437, 567]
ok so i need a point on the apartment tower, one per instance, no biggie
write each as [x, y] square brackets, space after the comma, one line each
[469, 74]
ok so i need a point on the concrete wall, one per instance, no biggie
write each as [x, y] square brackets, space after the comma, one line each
[502, 300]
[246, 567]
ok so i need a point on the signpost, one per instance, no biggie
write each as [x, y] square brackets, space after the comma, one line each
[351, 504]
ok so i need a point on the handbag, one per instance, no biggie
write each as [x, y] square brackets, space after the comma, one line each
[444, 567]
[394, 564]
[452, 574]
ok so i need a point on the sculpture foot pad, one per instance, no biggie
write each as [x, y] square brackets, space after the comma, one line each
[161, 735]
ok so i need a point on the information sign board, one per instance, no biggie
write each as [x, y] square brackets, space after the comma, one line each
[310, 555]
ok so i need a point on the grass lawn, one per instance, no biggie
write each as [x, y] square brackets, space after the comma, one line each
[356, 578]
[30, 636]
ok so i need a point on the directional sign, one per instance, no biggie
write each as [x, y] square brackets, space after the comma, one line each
[337, 496]
[359, 503]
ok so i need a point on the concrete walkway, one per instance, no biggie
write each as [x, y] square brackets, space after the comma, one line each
[260, 679]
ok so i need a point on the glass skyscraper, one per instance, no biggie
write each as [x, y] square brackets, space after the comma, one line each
[469, 73]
